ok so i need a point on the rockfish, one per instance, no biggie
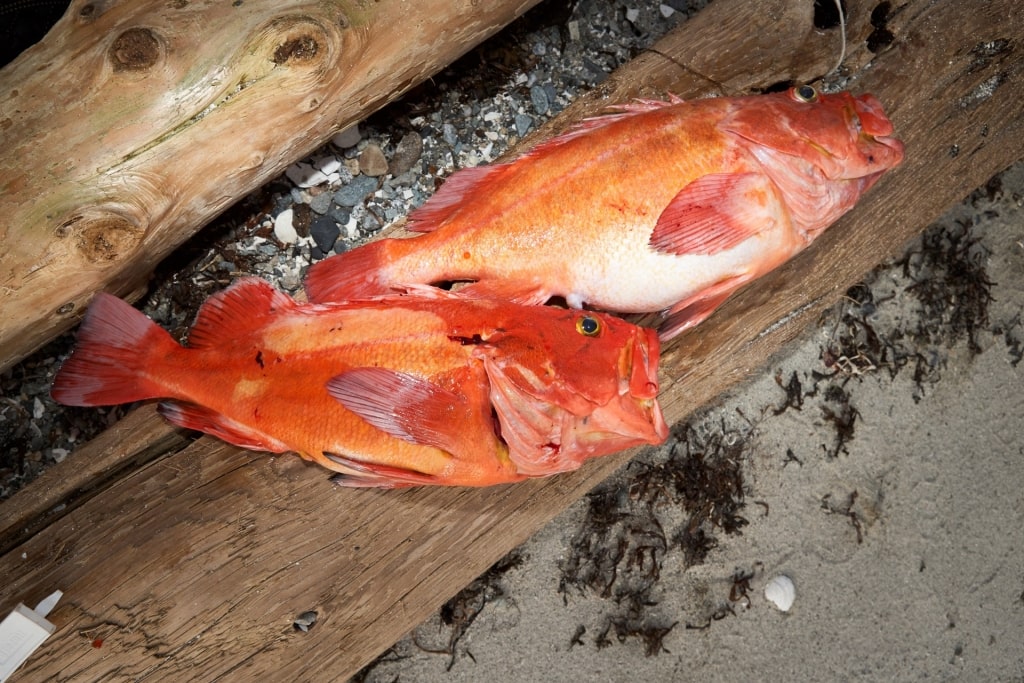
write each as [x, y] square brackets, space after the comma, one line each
[661, 206]
[425, 388]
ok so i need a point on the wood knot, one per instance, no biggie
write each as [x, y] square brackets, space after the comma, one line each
[299, 49]
[102, 237]
[137, 49]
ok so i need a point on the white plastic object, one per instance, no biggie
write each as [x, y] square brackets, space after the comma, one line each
[22, 632]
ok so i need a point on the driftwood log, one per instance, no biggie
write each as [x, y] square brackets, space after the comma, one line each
[194, 562]
[132, 124]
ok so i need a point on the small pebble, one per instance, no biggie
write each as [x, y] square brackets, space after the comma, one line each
[407, 153]
[539, 98]
[321, 203]
[349, 137]
[372, 161]
[666, 11]
[304, 175]
[328, 164]
[574, 30]
[632, 14]
[450, 134]
[324, 231]
[355, 191]
[283, 229]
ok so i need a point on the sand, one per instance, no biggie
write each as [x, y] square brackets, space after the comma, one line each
[892, 495]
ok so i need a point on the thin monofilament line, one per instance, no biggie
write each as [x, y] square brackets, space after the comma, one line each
[842, 35]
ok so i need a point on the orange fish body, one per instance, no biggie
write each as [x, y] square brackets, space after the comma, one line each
[399, 391]
[663, 206]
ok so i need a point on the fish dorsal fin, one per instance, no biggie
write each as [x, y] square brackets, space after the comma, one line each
[714, 213]
[403, 405]
[614, 114]
[243, 307]
[446, 201]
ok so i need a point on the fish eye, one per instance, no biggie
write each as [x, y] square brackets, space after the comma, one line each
[805, 93]
[588, 326]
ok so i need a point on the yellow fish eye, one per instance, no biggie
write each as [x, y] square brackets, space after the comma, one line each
[588, 326]
[805, 93]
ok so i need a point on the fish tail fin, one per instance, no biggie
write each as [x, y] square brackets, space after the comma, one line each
[357, 274]
[113, 358]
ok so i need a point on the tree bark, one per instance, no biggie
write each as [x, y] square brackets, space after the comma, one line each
[196, 564]
[132, 124]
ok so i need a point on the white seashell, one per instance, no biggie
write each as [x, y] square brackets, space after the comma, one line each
[283, 228]
[781, 592]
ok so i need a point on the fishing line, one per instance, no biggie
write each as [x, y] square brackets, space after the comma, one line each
[842, 35]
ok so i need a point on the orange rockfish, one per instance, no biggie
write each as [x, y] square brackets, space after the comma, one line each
[662, 206]
[397, 391]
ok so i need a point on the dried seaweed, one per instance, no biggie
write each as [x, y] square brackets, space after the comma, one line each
[459, 613]
[672, 505]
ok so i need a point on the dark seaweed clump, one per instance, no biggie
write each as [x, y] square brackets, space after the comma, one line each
[631, 528]
[946, 278]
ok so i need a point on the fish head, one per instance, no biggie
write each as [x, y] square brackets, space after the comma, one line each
[822, 150]
[569, 385]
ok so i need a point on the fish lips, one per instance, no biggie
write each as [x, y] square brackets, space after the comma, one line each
[545, 437]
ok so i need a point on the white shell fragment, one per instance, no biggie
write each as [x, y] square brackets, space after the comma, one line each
[781, 592]
[283, 228]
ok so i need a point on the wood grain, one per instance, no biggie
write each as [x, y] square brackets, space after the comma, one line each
[195, 565]
[132, 124]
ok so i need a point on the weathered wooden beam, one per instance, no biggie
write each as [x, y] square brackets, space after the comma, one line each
[196, 564]
[132, 124]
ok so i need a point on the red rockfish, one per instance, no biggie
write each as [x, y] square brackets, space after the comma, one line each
[425, 388]
[662, 206]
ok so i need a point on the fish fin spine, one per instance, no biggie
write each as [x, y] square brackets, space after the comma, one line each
[118, 354]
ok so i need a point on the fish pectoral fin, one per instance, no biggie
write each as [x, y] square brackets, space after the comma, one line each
[403, 405]
[194, 416]
[354, 473]
[696, 309]
[714, 213]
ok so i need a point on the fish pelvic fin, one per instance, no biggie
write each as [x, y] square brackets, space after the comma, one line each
[199, 418]
[354, 473]
[118, 355]
[356, 274]
[693, 311]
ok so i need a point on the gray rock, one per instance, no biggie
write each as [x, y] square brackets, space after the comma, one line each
[407, 153]
[524, 122]
[321, 203]
[539, 98]
[355, 191]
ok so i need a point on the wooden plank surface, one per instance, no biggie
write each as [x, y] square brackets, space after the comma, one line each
[132, 124]
[195, 565]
